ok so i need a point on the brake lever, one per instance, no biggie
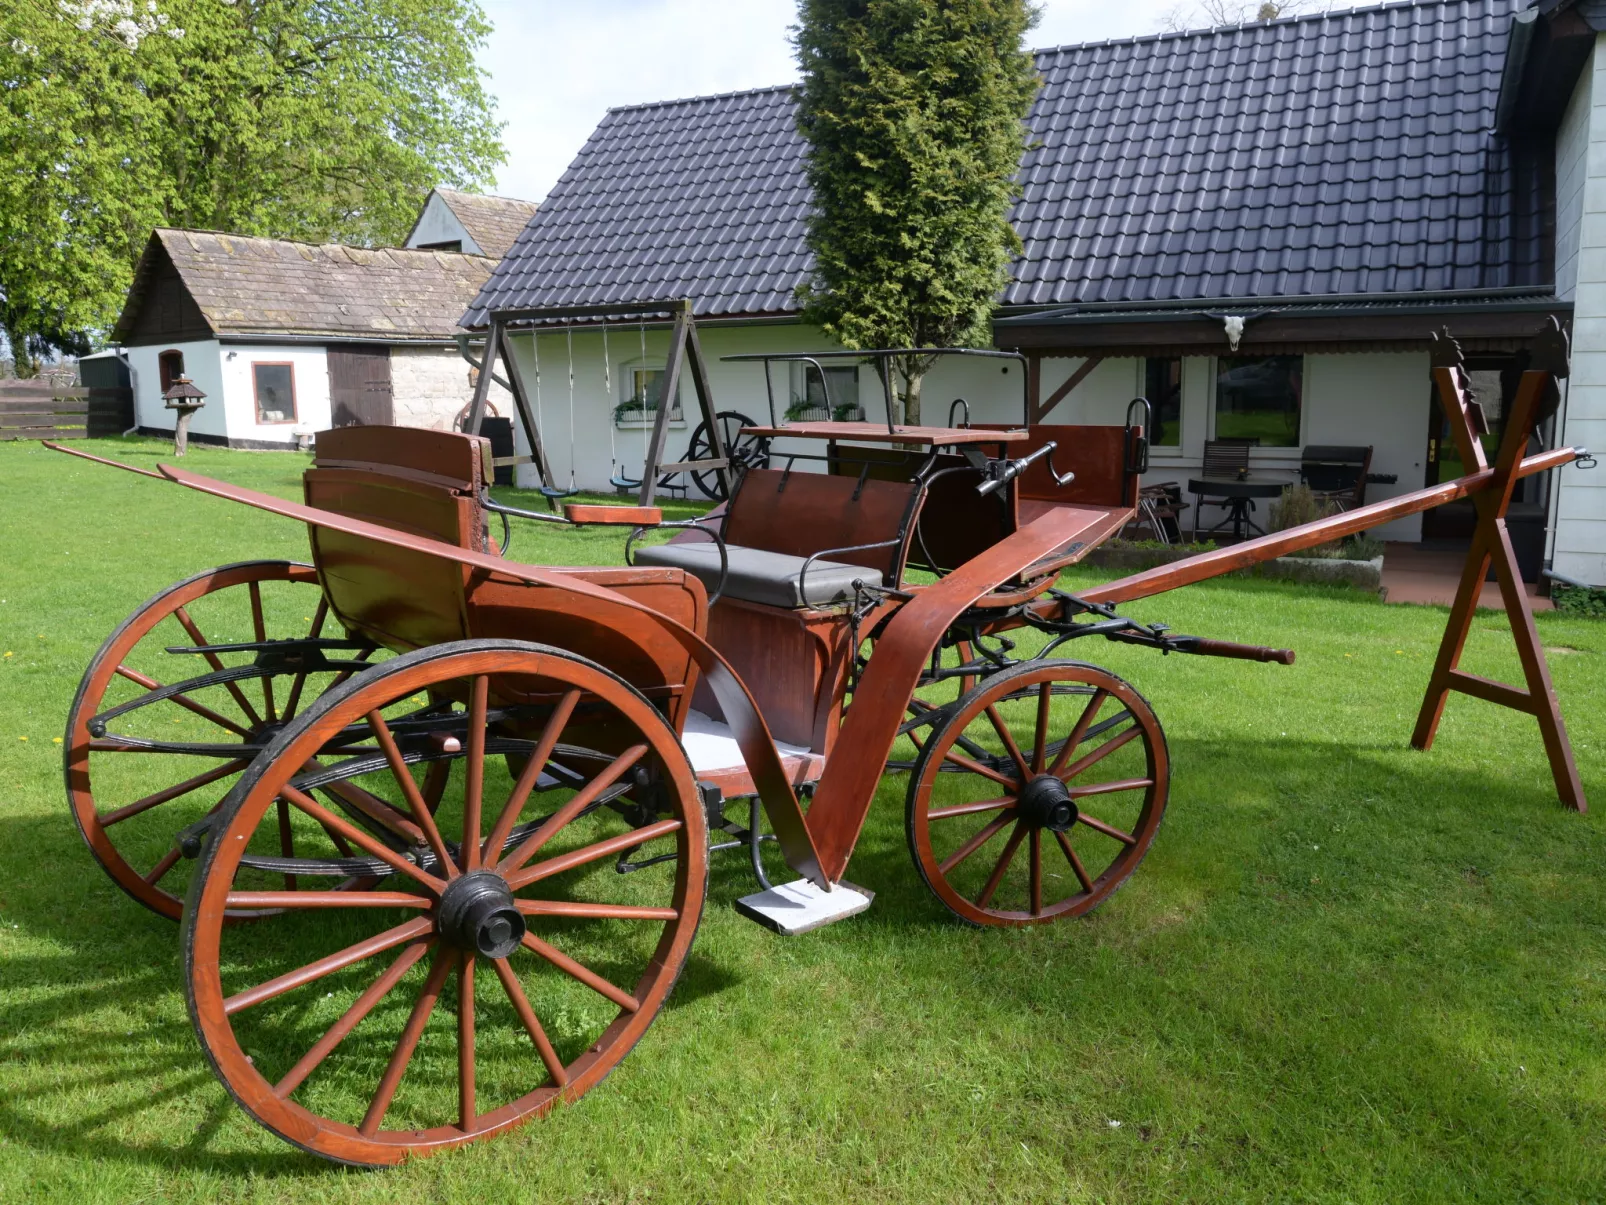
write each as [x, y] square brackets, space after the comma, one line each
[1005, 471]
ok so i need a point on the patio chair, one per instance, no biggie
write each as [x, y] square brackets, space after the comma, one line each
[1225, 458]
[1160, 509]
[1336, 473]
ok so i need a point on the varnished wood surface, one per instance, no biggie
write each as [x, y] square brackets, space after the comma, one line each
[616, 516]
[736, 703]
[800, 514]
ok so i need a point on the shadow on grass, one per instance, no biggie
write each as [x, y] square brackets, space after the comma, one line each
[1236, 893]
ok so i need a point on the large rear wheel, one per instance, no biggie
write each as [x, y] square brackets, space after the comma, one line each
[1038, 794]
[503, 909]
[155, 738]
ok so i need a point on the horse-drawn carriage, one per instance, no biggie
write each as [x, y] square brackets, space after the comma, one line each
[470, 768]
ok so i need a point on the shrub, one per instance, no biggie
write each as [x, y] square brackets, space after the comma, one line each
[1579, 600]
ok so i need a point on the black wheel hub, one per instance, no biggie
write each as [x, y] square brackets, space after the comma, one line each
[477, 913]
[1046, 803]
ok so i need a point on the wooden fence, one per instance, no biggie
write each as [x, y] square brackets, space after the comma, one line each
[41, 410]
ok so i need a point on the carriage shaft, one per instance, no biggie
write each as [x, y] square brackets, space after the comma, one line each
[1240, 556]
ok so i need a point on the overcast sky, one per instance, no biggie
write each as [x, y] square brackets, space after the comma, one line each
[557, 65]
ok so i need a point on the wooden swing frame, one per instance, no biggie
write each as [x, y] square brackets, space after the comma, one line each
[685, 352]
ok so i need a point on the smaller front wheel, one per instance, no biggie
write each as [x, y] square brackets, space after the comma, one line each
[1038, 794]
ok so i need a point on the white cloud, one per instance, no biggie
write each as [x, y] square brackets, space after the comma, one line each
[557, 66]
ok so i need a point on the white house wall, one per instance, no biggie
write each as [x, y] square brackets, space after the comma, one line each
[310, 368]
[1379, 399]
[1579, 547]
[202, 364]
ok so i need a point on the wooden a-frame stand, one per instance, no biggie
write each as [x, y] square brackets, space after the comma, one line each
[684, 351]
[1491, 544]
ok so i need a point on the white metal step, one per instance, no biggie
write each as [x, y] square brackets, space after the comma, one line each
[793, 908]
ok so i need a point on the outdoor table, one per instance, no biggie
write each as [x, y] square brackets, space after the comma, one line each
[1238, 491]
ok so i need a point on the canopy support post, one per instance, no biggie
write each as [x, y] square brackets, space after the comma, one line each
[1491, 544]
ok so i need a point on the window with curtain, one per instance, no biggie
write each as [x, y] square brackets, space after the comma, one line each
[275, 388]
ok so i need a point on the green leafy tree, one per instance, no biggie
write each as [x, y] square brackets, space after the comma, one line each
[308, 119]
[914, 112]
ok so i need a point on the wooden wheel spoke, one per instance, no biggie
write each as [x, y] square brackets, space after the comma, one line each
[300, 681]
[474, 788]
[556, 722]
[380, 811]
[1111, 788]
[1097, 755]
[975, 843]
[532, 1024]
[584, 974]
[327, 899]
[415, 800]
[592, 852]
[1010, 744]
[1036, 854]
[361, 839]
[1109, 830]
[172, 792]
[970, 809]
[261, 631]
[184, 701]
[1002, 865]
[216, 662]
[975, 767]
[329, 964]
[1076, 862]
[159, 871]
[466, 1111]
[581, 800]
[352, 1017]
[1078, 732]
[287, 840]
[1045, 697]
[596, 911]
[407, 1043]
[344, 675]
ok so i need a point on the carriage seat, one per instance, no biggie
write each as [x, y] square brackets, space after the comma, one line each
[773, 578]
[779, 518]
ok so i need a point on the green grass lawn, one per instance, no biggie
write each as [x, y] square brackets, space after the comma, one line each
[1348, 971]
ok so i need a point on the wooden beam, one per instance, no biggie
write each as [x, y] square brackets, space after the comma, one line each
[532, 429]
[1040, 410]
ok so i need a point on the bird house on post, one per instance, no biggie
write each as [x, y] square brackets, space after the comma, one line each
[183, 396]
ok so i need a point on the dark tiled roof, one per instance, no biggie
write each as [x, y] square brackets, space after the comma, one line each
[693, 198]
[1341, 153]
[261, 286]
[492, 222]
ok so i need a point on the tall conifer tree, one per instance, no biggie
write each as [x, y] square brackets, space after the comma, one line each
[914, 115]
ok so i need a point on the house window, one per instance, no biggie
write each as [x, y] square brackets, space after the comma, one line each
[1260, 398]
[275, 387]
[640, 386]
[1162, 385]
[833, 397]
[170, 364]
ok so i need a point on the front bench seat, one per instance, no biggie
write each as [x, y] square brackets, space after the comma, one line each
[771, 578]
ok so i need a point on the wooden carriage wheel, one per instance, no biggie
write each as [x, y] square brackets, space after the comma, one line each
[560, 963]
[160, 766]
[1038, 794]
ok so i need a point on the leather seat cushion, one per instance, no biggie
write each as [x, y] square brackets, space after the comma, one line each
[772, 578]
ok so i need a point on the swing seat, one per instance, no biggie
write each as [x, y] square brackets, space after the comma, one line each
[620, 482]
[553, 493]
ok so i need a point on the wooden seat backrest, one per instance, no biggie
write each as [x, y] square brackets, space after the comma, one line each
[427, 483]
[800, 514]
[1096, 454]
